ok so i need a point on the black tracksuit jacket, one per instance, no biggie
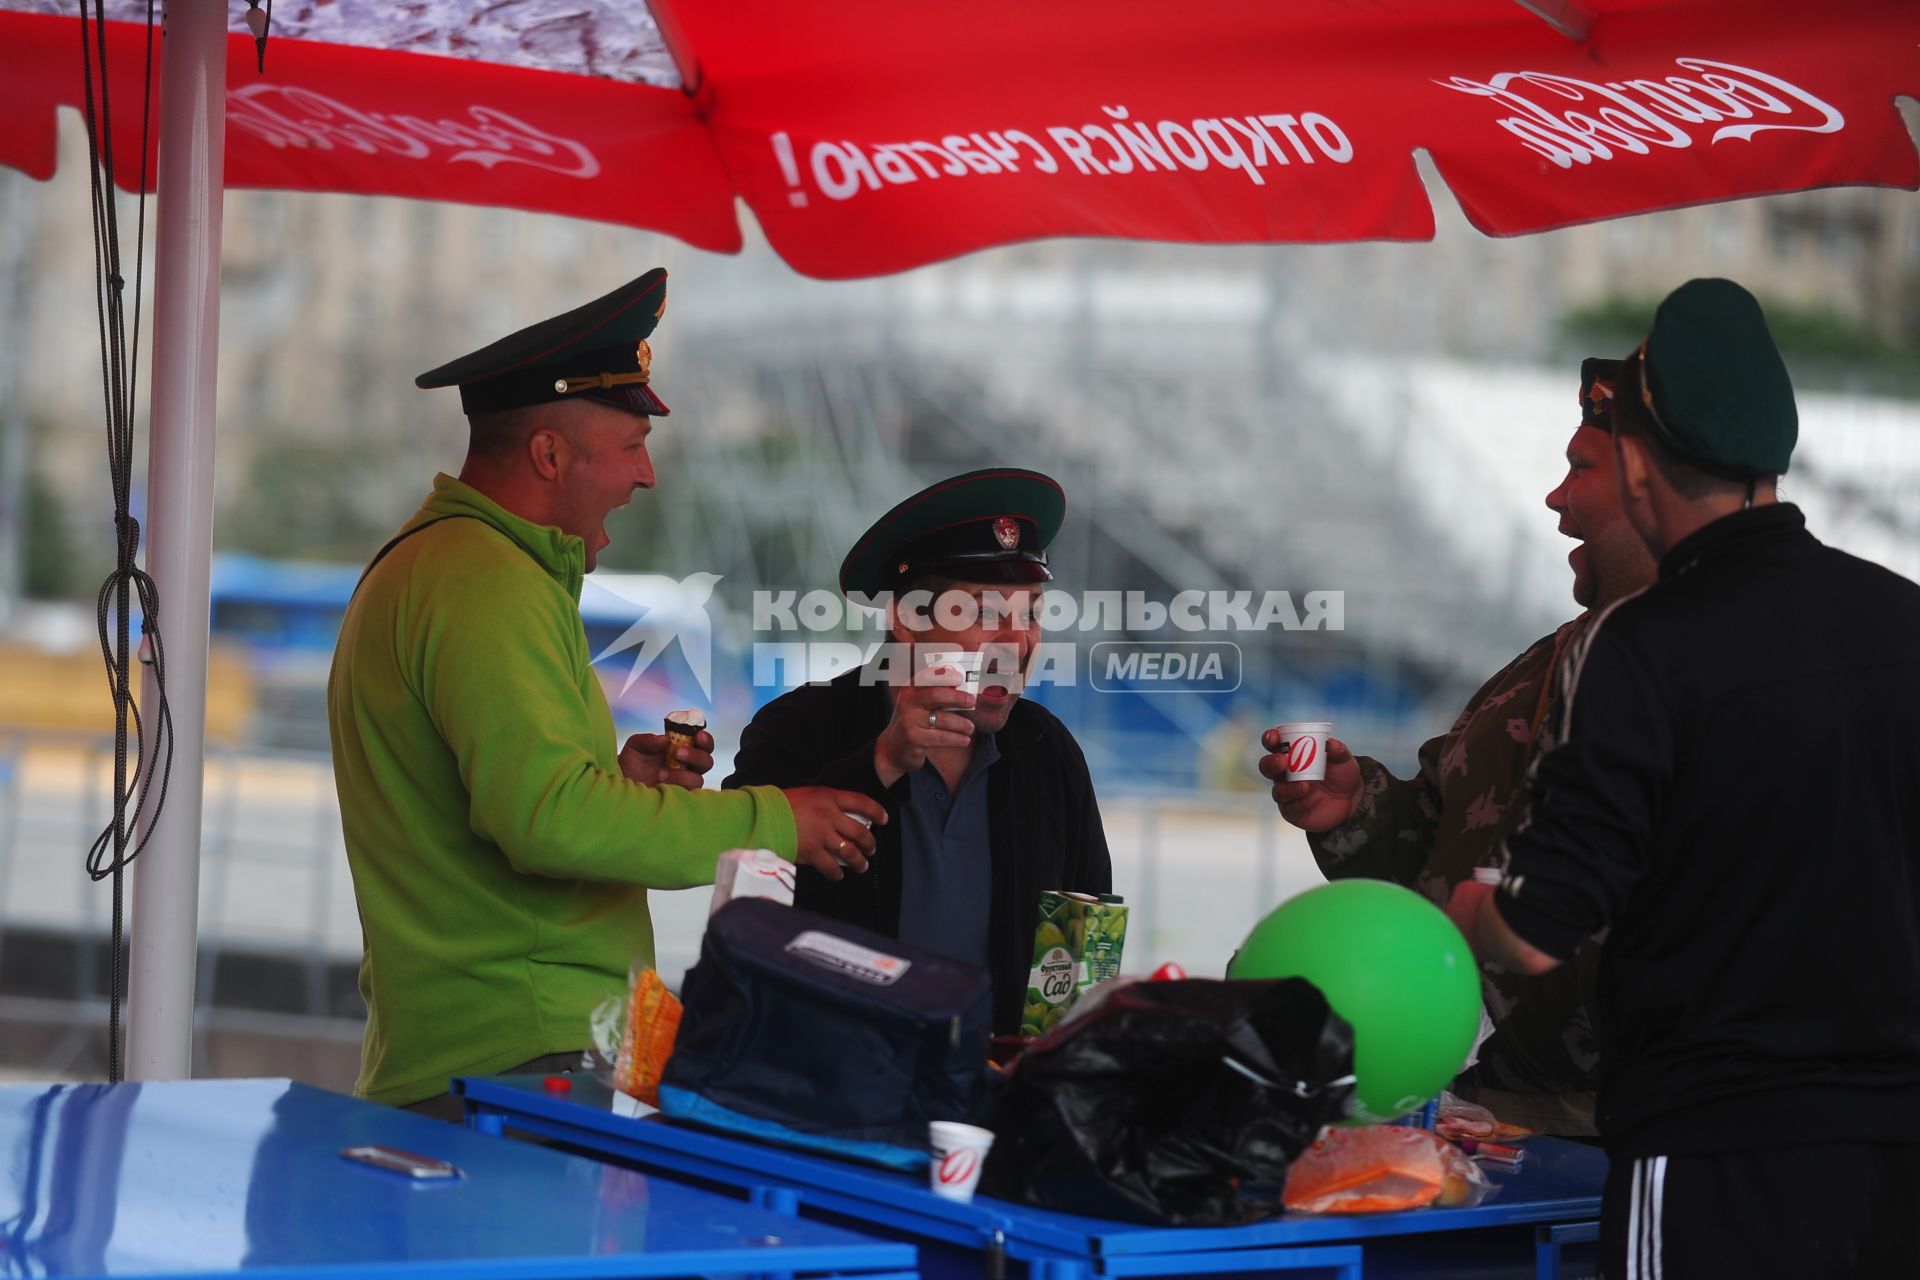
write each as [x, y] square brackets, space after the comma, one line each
[1736, 798]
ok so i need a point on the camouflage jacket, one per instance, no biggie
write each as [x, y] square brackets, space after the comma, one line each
[1429, 832]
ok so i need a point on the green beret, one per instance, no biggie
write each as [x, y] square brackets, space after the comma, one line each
[1598, 379]
[1713, 383]
[991, 526]
[598, 352]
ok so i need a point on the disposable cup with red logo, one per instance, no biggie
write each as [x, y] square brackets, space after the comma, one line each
[1304, 744]
[958, 1152]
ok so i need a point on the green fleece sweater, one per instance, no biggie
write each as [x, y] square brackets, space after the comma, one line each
[500, 858]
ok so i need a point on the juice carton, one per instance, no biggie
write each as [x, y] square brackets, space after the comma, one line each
[751, 873]
[1078, 942]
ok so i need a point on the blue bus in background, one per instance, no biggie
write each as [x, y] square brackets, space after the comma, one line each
[284, 617]
[293, 607]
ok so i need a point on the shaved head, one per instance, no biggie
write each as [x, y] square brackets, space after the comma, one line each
[501, 434]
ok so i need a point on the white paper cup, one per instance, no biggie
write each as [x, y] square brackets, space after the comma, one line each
[965, 662]
[1304, 744]
[958, 1152]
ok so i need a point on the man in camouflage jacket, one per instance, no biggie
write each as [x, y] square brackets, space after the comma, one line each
[1430, 831]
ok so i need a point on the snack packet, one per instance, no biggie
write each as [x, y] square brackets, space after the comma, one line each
[646, 1041]
[1382, 1168]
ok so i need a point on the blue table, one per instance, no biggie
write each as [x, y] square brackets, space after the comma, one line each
[1550, 1202]
[230, 1177]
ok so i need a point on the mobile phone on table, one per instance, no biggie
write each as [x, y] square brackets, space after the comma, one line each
[405, 1163]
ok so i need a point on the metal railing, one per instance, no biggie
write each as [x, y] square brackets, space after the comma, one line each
[280, 940]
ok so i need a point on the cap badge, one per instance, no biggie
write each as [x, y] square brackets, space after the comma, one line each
[1646, 382]
[1006, 530]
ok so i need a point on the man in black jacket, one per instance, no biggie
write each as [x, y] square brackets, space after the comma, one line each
[988, 798]
[1737, 800]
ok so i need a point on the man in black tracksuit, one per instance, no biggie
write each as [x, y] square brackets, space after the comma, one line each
[1737, 804]
[988, 797]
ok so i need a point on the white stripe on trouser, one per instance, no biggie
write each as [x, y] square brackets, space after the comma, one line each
[1657, 1199]
[1643, 1218]
[1633, 1227]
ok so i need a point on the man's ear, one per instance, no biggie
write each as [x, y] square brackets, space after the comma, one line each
[544, 452]
[1633, 466]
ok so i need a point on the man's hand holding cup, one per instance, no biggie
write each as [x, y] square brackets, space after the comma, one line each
[834, 829]
[925, 718]
[1316, 781]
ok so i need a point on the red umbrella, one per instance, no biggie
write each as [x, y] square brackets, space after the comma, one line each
[871, 136]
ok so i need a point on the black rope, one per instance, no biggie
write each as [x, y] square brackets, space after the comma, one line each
[119, 363]
[260, 30]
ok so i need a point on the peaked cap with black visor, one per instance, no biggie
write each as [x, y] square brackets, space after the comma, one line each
[597, 352]
[991, 526]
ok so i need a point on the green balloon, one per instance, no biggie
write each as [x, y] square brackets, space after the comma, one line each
[1393, 966]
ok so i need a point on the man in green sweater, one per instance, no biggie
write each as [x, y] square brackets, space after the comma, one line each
[501, 849]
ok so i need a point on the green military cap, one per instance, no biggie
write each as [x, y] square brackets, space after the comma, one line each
[1598, 378]
[990, 526]
[1714, 386]
[598, 351]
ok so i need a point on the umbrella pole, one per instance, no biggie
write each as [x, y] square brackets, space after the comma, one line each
[179, 526]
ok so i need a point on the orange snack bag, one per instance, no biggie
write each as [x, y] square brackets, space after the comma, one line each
[1380, 1169]
[653, 1020]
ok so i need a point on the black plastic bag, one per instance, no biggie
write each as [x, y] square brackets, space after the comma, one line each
[1159, 1104]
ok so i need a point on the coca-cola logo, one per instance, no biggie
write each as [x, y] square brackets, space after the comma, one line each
[957, 1166]
[1634, 116]
[292, 117]
[1301, 753]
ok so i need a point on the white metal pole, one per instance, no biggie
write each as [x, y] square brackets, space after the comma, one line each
[16, 455]
[179, 528]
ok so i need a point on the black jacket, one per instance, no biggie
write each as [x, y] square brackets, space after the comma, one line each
[1738, 797]
[1041, 811]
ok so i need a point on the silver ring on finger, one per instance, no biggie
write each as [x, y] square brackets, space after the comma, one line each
[932, 716]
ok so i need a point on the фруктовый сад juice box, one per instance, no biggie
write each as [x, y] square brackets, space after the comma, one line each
[1078, 941]
[1106, 939]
